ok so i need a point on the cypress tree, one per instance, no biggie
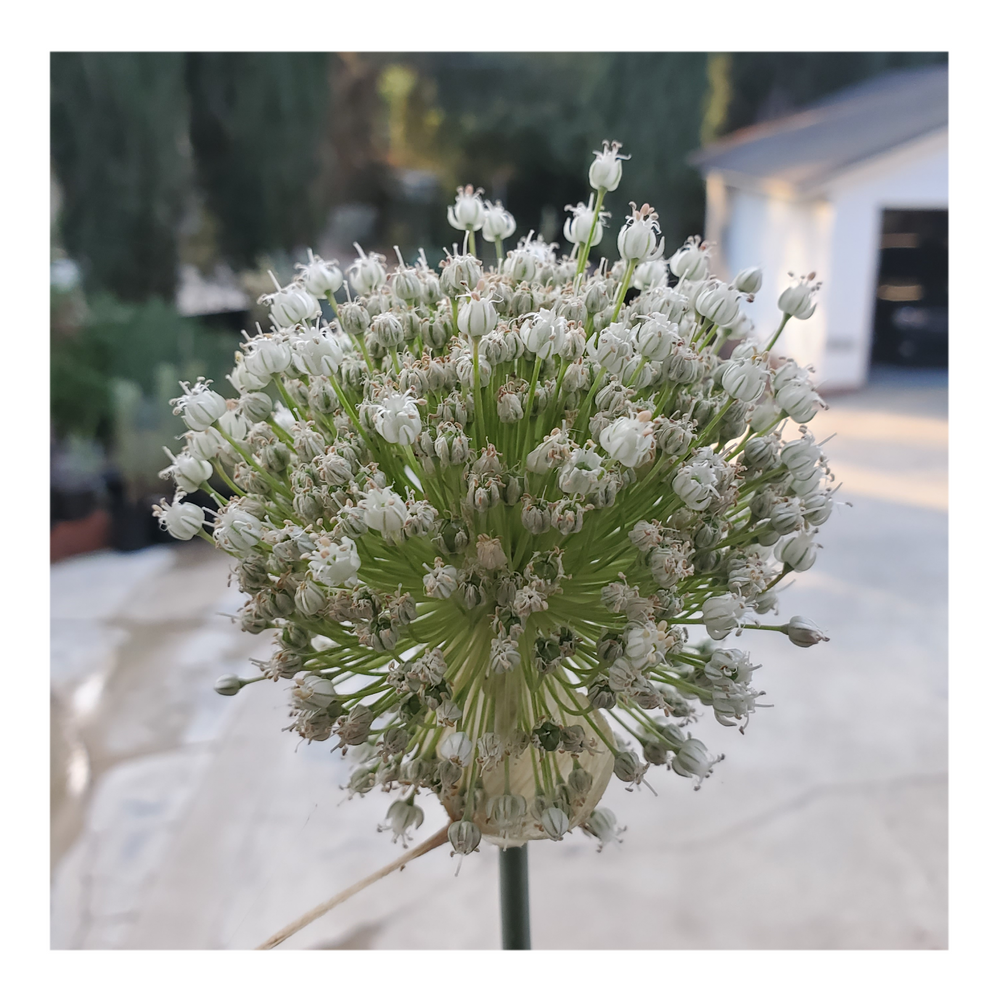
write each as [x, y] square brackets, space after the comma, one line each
[118, 131]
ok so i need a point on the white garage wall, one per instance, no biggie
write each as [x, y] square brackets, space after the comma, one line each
[833, 230]
[914, 176]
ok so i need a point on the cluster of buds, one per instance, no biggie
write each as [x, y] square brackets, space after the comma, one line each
[483, 508]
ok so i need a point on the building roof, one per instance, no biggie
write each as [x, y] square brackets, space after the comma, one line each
[807, 148]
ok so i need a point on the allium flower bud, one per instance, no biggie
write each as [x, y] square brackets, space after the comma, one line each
[799, 552]
[629, 441]
[800, 457]
[477, 316]
[464, 837]
[720, 615]
[498, 223]
[695, 485]
[335, 563]
[460, 275]
[181, 520]
[638, 238]
[441, 582]
[656, 337]
[269, 356]
[507, 810]
[489, 551]
[229, 684]
[612, 348]
[310, 599]
[468, 212]
[509, 407]
[749, 280]
[321, 277]
[692, 760]
[543, 334]
[576, 229]
[799, 401]
[457, 748]
[291, 305]
[761, 453]
[555, 823]
[650, 274]
[398, 419]
[314, 692]
[817, 508]
[406, 284]
[606, 170]
[384, 511]
[719, 305]
[804, 631]
[581, 473]
[744, 380]
[354, 318]
[189, 472]
[366, 273]
[798, 300]
[237, 531]
[200, 406]
[691, 260]
[603, 825]
[629, 768]
[401, 816]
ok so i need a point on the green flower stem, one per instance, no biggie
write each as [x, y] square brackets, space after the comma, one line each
[472, 242]
[478, 392]
[280, 431]
[522, 444]
[250, 460]
[785, 317]
[581, 264]
[514, 912]
[499, 245]
[626, 281]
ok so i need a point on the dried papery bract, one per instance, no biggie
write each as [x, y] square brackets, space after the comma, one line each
[483, 509]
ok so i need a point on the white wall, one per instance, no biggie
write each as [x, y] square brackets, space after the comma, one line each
[915, 177]
[780, 235]
[834, 230]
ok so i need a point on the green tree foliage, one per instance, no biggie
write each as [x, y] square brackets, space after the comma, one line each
[258, 126]
[119, 123]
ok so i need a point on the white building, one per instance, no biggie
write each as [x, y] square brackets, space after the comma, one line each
[808, 192]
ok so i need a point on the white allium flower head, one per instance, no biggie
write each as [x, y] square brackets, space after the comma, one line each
[463, 588]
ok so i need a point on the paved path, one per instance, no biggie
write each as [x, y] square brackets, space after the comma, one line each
[186, 820]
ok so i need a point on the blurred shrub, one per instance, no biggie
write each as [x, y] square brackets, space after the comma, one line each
[119, 340]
